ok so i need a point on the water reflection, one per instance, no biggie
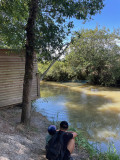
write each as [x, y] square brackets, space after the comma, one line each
[82, 111]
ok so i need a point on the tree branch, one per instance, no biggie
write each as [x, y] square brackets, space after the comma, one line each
[52, 63]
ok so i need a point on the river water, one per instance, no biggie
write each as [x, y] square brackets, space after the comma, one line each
[95, 113]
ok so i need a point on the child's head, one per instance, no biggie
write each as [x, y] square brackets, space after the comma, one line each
[52, 129]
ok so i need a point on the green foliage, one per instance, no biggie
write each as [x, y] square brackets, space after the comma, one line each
[110, 154]
[82, 142]
[96, 54]
[51, 24]
[57, 73]
[13, 19]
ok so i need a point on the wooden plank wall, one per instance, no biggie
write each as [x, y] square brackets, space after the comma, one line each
[12, 69]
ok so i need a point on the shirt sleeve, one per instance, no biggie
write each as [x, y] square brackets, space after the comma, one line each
[67, 137]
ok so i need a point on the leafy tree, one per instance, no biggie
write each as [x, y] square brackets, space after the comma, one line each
[95, 53]
[41, 25]
[13, 20]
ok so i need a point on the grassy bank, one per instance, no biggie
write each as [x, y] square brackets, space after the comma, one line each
[91, 150]
[94, 153]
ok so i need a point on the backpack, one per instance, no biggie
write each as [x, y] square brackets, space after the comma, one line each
[54, 149]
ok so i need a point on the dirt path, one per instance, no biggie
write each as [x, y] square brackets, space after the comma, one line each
[20, 143]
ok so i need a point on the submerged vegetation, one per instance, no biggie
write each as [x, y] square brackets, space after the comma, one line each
[93, 55]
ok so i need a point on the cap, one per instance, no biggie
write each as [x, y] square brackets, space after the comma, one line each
[52, 129]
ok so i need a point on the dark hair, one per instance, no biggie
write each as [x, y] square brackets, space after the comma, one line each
[52, 129]
[64, 125]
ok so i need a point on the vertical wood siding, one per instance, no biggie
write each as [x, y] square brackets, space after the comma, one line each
[12, 69]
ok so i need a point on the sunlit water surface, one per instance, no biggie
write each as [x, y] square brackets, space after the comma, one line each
[83, 111]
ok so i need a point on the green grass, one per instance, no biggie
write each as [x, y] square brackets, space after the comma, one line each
[94, 153]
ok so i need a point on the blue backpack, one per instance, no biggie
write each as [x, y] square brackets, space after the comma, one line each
[54, 148]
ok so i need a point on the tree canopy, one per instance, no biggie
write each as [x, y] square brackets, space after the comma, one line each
[96, 53]
[53, 22]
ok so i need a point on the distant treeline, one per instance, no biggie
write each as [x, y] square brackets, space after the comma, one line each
[93, 55]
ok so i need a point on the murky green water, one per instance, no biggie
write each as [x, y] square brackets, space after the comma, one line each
[82, 111]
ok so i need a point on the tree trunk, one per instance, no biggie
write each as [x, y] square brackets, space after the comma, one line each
[29, 59]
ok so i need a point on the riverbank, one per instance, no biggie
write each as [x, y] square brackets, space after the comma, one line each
[21, 143]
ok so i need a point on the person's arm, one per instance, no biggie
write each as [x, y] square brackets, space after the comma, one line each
[73, 133]
[47, 138]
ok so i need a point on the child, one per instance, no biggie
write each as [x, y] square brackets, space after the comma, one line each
[51, 131]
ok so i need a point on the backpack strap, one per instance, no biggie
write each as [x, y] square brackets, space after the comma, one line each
[62, 144]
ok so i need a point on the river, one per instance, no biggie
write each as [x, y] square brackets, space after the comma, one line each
[94, 110]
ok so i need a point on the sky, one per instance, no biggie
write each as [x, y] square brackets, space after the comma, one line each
[109, 17]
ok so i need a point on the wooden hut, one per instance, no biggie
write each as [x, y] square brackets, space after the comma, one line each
[12, 69]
